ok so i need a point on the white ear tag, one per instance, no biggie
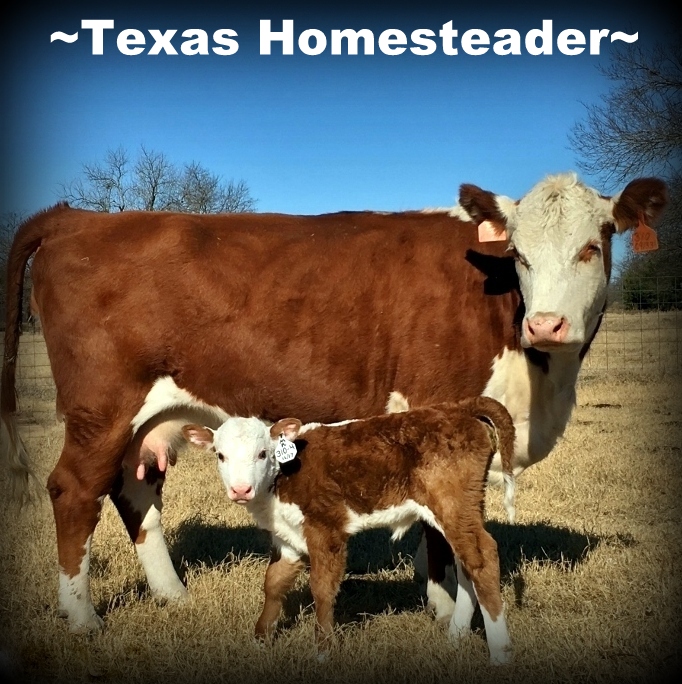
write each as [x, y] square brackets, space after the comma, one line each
[285, 450]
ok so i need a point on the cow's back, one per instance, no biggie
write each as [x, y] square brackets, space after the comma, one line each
[314, 316]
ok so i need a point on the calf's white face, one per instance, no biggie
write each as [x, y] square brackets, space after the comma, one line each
[560, 236]
[245, 448]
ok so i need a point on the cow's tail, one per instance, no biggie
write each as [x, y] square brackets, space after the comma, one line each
[492, 411]
[12, 449]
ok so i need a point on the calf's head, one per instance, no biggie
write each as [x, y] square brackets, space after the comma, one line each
[246, 452]
[560, 236]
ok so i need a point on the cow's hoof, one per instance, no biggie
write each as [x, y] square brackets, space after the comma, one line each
[176, 594]
[92, 625]
[501, 657]
[458, 634]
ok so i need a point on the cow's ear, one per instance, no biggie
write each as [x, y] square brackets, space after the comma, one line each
[643, 200]
[496, 211]
[289, 427]
[196, 434]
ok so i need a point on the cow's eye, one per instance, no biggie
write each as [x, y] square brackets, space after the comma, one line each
[221, 457]
[262, 455]
[589, 251]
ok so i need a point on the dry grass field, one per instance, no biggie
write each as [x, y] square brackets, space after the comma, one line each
[591, 572]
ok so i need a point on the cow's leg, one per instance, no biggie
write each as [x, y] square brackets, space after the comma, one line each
[440, 586]
[139, 504]
[327, 548]
[84, 474]
[460, 624]
[285, 566]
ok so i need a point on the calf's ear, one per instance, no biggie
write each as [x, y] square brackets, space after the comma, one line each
[643, 200]
[290, 427]
[196, 434]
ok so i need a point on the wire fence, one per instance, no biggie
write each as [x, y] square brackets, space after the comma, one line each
[641, 328]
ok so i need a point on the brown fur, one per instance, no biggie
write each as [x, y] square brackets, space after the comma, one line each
[353, 305]
[126, 298]
[436, 456]
[643, 199]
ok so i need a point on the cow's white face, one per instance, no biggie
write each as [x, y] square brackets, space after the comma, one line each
[557, 238]
[245, 448]
[560, 236]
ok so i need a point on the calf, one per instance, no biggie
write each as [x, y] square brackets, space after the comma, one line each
[313, 486]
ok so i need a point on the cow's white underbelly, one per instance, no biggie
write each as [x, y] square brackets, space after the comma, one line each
[165, 396]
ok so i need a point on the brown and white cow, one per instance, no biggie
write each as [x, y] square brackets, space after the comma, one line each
[156, 319]
[313, 486]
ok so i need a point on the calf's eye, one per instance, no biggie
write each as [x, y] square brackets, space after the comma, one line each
[262, 455]
[221, 457]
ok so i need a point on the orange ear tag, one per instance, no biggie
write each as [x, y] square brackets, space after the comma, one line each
[644, 239]
[491, 232]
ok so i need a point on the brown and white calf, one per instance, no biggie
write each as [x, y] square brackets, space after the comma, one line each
[150, 316]
[313, 486]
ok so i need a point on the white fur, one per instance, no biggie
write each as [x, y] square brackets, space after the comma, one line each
[456, 212]
[539, 403]
[74, 597]
[312, 426]
[152, 552]
[548, 228]
[497, 637]
[506, 206]
[397, 403]
[165, 395]
[398, 518]
[460, 624]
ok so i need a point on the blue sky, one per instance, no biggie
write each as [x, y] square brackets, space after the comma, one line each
[309, 134]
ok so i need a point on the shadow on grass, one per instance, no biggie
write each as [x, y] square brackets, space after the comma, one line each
[195, 543]
[545, 543]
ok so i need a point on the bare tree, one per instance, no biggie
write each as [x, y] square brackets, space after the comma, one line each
[8, 227]
[152, 182]
[155, 181]
[637, 128]
[104, 186]
[202, 192]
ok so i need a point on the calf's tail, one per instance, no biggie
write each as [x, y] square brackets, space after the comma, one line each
[492, 411]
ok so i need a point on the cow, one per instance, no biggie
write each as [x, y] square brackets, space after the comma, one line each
[313, 486]
[155, 320]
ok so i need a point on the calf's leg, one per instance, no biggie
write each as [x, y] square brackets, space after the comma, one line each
[476, 551]
[284, 567]
[327, 548]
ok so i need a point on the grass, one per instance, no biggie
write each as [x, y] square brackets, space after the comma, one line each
[590, 574]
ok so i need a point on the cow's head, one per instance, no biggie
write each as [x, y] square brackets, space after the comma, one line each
[560, 236]
[246, 452]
